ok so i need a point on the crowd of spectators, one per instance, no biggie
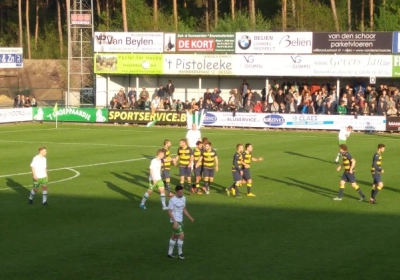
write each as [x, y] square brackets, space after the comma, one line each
[286, 97]
[22, 101]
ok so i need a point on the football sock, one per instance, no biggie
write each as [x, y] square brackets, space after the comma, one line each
[145, 197]
[180, 245]
[375, 193]
[44, 196]
[248, 188]
[167, 186]
[171, 246]
[232, 186]
[207, 185]
[237, 190]
[163, 199]
[31, 195]
[372, 192]
[360, 192]
[341, 191]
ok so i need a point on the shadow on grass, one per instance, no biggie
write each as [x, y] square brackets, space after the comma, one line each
[17, 187]
[133, 179]
[369, 184]
[308, 187]
[125, 193]
[148, 156]
[308, 156]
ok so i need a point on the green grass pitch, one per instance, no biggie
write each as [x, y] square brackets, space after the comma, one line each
[292, 229]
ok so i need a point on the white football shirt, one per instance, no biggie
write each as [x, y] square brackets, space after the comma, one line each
[39, 163]
[192, 137]
[343, 133]
[177, 204]
[155, 167]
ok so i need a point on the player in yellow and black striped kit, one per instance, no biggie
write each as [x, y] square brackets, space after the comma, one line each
[247, 159]
[209, 158]
[185, 157]
[166, 166]
[198, 166]
[349, 164]
[376, 171]
[237, 171]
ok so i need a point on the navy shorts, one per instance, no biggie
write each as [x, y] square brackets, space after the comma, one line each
[165, 174]
[246, 174]
[236, 176]
[197, 171]
[184, 171]
[349, 177]
[377, 178]
[208, 173]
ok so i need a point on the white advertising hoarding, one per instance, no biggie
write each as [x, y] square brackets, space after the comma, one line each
[274, 42]
[15, 115]
[11, 58]
[294, 121]
[123, 42]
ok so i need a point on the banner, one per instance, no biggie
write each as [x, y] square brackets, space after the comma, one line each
[192, 64]
[128, 63]
[89, 115]
[132, 42]
[11, 58]
[15, 115]
[274, 42]
[143, 117]
[352, 42]
[294, 121]
[204, 42]
[393, 123]
[396, 66]
[396, 42]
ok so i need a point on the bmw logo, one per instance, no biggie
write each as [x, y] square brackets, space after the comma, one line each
[244, 42]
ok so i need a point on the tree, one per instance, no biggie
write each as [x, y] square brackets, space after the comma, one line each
[233, 9]
[252, 13]
[371, 14]
[335, 17]
[21, 33]
[362, 24]
[215, 13]
[36, 23]
[124, 21]
[349, 15]
[155, 14]
[28, 33]
[59, 25]
[284, 15]
[175, 9]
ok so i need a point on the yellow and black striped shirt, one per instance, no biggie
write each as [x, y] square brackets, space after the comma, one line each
[376, 163]
[347, 161]
[184, 156]
[209, 158]
[196, 155]
[247, 156]
[237, 161]
[166, 162]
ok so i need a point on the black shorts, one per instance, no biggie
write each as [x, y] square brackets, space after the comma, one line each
[208, 173]
[246, 174]
[349, 177]
[377, 178]
[184, 171]
[236, 176]
[197, 171]
[165, 174]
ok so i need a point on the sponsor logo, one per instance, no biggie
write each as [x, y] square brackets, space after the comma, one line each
[209, 118]
[244, 42]
[274, 120]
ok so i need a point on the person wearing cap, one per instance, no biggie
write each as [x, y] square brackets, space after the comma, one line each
[344, 133]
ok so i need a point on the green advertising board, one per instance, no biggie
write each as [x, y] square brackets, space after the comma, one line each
[89, 115]
[128, 63]
[396, 66]
[205, 42]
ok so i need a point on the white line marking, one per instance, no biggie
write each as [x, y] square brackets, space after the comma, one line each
[77, 166]
[74, 143]
[77, 173]
[25, 130]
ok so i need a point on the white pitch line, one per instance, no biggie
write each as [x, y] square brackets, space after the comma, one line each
[77, 173]
[77, 166]
[74, 143]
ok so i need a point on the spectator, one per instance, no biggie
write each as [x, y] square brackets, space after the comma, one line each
[342, 109]
[27, 102]
[291, 106]
[280, 97]
[223, 106]
[114, 103]
[391, 107]
[155, 103]
[232, 107]
[381, 110]
[167, 104]
[194, 105]
[258, 107]
[282, 108]
[160, 92]
[243, 90]
[179, 106]
[270, 98]
[187, 105]
[372, 109]
[311, 108]
[286, 86]
[329, 108]
[248, 107]
[132, 97]
[351, 108]
[143, 98]
[207, 94]
[265, 107]
[17, 101]
[215, 98]
[33, 102]
[234, 92]
[21, 101]
[173, 105]
[274, 107]
[170, 89]
[125, 105]
[121, 96]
